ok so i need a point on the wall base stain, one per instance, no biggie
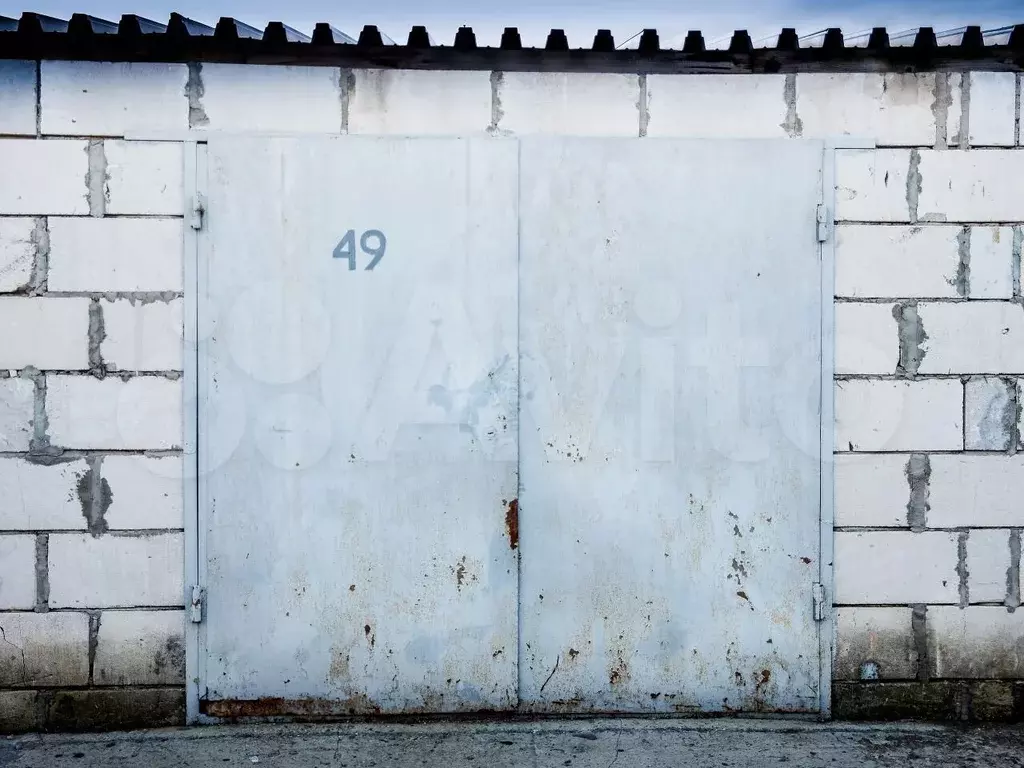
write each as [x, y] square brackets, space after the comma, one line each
[935, 700]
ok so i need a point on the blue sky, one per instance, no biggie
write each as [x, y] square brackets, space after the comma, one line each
[579, 18]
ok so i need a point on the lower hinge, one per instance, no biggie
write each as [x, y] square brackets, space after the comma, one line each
[198, 213]
[818, 600]
[196, 605]
[823, 224]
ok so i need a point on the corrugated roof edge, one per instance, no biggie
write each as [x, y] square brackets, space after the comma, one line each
[135, 39]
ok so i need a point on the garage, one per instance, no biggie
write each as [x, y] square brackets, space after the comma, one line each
[511, 425]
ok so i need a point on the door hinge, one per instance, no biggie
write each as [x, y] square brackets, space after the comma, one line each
[198, 212]
[818, 600]
[824, 225]
[196, 606]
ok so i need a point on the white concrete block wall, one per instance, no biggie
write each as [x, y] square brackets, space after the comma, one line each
[142, 413]
[17, 252]
[885, 415]
[141, 336]
[896, 567]
[928, 241]
[872, 490]
[41, 497]
[992, 108]
[140, 648]
[116, 254]
[18, 98]
[144, 178]
[251, 98]
[50, 333]
[148, 495]
[94, 98]
[892, 109]
[91, 280]
[50, 177]
[718, 106]
[17, 571]
[418, 102]
[17, 413]
[865, 342]
[923, 262]
[562, 104]
[929, 478]
[115, 570]
[44, 649]
[882, 637]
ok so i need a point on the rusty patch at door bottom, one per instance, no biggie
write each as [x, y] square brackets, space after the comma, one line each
[281, 707]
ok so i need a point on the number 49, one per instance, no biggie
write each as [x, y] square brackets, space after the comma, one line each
[372, 243]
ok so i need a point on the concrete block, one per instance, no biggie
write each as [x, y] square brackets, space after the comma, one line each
[98, 98]
[140, 648]
[935, 700]
[18, 98]
[909, 262]
[896, 567]
[880, 637]
[566, 104]
[976, 642]
[871, 490]
[893, 109]
[419, 102]
[971, 186]
[975, 491]
[871, 185]
[991, 265]
[992, 110]
[981, 337]
[718, 106]
[899, 415]
[116, 570]
[44, 177]
[251, 98]
[990, 412]
[988, 563]
[145, 492]
[17, 571]
[34, 497]
[113, 709]
[46, 333]
[17, 253]
[18, 711]
[142, 337]
[44, 649]
[116, 255]
[17, 411]
[141, 413]
[867, 339]
[144, 177]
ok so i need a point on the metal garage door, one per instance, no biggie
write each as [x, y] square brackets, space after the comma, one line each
[670, 319]
[488, 425]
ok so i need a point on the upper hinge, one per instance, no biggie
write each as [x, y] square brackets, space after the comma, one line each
[818, 600]
[196, 605]
[198, 213]
[824, 225]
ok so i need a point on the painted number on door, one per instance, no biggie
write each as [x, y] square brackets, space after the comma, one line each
[372, 243]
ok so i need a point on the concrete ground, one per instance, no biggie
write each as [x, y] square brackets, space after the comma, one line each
[626, 743]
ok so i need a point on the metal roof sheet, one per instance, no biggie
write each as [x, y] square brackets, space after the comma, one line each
[133, 38]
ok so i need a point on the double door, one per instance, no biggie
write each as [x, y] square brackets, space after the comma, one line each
[488, 424]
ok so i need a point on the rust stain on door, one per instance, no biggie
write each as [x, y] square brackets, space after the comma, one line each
[512, 523]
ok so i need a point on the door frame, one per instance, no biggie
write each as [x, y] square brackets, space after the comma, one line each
[194, 251]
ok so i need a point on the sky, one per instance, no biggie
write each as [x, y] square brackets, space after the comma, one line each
[579, 18]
